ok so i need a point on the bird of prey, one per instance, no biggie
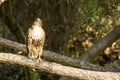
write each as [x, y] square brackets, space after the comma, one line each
[35, 40]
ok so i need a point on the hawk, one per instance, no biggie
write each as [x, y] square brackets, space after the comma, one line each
[35, 40]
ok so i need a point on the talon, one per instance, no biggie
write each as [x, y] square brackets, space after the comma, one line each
[40, 59]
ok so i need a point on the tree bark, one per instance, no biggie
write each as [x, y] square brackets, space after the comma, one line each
[58, 68]
[93, 52]
[58, 58]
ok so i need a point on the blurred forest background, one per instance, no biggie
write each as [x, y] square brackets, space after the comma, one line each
[71, 26]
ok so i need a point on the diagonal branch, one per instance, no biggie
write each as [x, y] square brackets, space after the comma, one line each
[58, 68]
[57, 57]
[91, 54]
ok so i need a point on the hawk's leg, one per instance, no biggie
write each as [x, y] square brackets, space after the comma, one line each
[39, 55]
[30, 54]
[39, 58]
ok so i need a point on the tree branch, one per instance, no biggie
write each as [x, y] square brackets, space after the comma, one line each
[92, 53]
[58, 68]
[57, 57]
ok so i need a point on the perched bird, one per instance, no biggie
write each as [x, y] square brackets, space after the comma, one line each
[35, 40]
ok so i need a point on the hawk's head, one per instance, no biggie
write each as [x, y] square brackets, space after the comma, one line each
[38, 22]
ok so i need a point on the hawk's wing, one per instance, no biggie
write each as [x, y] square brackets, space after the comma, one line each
[29, 39]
